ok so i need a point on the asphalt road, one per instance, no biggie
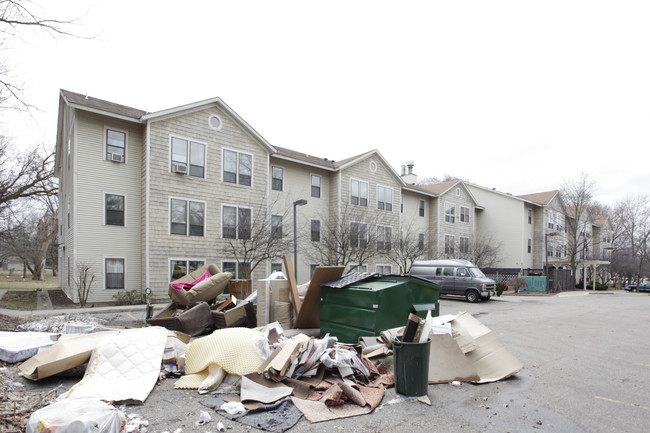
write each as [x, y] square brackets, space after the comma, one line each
[587, 369]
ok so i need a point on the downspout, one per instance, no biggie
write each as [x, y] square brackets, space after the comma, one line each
[147, 193]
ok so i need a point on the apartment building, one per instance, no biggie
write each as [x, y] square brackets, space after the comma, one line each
[145, 197]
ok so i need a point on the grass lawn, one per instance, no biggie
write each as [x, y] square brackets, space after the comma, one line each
[16, 282]
[19, 300]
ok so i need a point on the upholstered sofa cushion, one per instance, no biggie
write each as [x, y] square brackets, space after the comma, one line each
[203, 289]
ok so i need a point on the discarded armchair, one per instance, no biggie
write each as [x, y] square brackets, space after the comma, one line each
[203, 284]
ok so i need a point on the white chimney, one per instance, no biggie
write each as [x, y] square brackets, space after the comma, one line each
[407, 173]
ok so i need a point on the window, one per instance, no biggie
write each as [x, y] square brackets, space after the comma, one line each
[237, 167]
[384, 269]
[236, 222]
[462, 272]
[421, 241]
[312, 269]
[238, 270]
[276, 226]
[450, 213]
[549, 250]
[530, 246]
[421, 208]
[384, 198]
[449, 244]
[276, 267]
[115, 145]
[187, 213]
[359, 192]
[358, 235]
[277, 177]
[550, 220]
[384, 235]
[463, 245]
[181, 267]
[114, 271]
[188, 157]
[558, 251]
[559, 221]
[315, 185]
[358, 268]
[315, 230]
[114, 205]
[530, 216]
[464, 214]
[448, 272]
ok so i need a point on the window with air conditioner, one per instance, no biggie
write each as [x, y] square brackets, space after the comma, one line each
[115, 145]
[188, 157]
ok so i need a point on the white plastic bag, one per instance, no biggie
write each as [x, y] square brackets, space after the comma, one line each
[80, 414]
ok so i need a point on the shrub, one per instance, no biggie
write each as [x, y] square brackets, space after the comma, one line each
[500, 288]
[129, 297]
[517, 283]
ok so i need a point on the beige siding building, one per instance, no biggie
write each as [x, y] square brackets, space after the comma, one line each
[147, 197]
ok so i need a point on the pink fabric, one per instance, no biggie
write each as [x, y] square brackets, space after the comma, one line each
[187, 286]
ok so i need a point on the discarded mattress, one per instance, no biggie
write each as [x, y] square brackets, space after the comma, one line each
[232, 349]
[19, 346]
[123, 367]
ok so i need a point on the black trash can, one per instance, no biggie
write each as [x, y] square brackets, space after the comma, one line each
[411, 367]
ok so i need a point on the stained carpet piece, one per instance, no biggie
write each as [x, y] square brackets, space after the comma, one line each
[276, 417]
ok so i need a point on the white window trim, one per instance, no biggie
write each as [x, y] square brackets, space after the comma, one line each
[384, 265]
[223, 160]
[352, 179]
[359, 238]
[392, 195]
[205, 216]
[125, 207]
[237, 223]
[383, 227]
[105, 148]
[311, 176]
[235, 276]
[444, 245]
[445, 212]
[189, 151]
[104, 258]
[468, 214]
[272, 167]
[320, 229]
[185, 259]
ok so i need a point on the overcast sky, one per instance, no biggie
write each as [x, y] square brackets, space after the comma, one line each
[514, 95]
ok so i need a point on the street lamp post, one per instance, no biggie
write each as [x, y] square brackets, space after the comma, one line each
[296, 203]
[546, 235]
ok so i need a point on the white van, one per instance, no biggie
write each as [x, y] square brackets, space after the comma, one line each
[456, 277]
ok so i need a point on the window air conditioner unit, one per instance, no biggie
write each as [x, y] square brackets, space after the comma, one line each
[179, 168]
[115, 157]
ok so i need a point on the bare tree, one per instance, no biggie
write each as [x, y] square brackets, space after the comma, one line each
[632, 216]
[577, 195]
[84, 282]
[411, 247]
[256, 238]
[29, 237]
[484, 251]
[28, 175]
[17, 16]
[350, 238]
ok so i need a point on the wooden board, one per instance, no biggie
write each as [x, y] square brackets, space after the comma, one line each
[309, 316]
[291, 276]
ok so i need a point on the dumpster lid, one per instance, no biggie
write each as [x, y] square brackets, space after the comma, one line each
[421, 309]
[349, 279]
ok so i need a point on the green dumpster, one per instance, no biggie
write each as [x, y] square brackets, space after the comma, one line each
[373, 303]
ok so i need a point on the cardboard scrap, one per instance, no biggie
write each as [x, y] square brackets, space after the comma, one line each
[280, 360]
[487, 354]
[309, 315]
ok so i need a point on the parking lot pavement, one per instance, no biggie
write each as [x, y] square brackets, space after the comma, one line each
[587, 367]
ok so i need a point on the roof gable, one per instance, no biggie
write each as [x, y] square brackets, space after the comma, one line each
[543, 198]
[95, 105]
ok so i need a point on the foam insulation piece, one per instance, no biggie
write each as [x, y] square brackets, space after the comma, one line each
[231, 348]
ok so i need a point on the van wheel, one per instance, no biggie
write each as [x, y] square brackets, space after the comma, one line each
[472, 296]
